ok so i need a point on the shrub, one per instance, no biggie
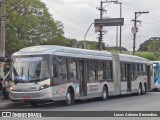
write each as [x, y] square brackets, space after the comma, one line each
[147, 55]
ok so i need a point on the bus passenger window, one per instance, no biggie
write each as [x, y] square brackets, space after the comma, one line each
[155, 71]
[60, 70]
[55, 71]
[72, 69]
[100, 70]
[109, 68]
[91, 70]
[123, 71]
[64, 67]
[138, 67]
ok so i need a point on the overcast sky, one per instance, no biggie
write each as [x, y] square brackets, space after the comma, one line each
[77, 15]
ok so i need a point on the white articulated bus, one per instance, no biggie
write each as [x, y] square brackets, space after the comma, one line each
[56, 73]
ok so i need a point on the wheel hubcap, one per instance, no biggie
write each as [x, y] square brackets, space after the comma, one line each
[139, 90]
[104, 94]
[68, 98]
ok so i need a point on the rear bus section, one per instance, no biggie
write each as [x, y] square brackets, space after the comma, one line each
[135, 74]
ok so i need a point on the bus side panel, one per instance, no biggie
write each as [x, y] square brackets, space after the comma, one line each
[116, 74]
[110, 85]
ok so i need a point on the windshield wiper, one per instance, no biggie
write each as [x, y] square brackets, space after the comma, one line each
[37, 80]
[19, 81]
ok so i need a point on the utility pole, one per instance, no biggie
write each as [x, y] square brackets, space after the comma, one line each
[120, 34]
[116, 39]
[3, 28]
[135, 28]
[101, 28]
[101, 9]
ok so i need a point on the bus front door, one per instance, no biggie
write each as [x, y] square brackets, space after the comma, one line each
[129, 77]
[82, 78]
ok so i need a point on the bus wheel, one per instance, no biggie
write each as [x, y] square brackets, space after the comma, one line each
[104, 94]
[140, 90]
[145, 89]
[69, 98]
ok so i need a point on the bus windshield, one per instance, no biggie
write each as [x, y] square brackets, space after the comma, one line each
[155, 71]
[29, 69]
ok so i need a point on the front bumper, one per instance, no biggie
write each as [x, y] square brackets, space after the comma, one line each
[34, 96]
[157, 86]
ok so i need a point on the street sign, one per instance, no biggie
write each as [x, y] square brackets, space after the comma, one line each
[109, 22]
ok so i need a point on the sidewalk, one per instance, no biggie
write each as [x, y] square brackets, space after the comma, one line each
[6, 104]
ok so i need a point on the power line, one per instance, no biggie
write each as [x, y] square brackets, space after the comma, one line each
[69, 18]
[130, 36]
[153, 22]
[134, 8]
[75, 22]
[75, 34]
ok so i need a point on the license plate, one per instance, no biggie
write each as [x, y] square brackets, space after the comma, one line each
[25, 98]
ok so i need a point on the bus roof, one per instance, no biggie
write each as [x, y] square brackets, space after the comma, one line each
[132, 58]
[58, 50]
[49, 49]
[155, 62]
[76, 52]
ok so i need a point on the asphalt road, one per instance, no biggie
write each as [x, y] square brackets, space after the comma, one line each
[148, 102]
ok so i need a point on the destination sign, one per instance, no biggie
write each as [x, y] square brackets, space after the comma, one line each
[29, 59]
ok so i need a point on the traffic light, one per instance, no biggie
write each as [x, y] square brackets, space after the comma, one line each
[5, 59]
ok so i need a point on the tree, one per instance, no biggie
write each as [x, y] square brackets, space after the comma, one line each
[92, 45]
[147, 55]
[118, 48]
[73, 43]
[145, 45]
[29, 24]
[154, 47]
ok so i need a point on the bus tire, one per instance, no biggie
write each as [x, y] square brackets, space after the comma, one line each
[104, 94]
[145, 89]
[140, 89]
[69, 98]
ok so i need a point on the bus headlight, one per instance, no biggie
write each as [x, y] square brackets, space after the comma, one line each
[44, 86]
[11, 88]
